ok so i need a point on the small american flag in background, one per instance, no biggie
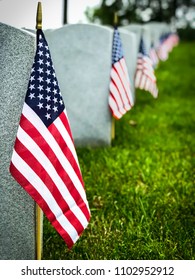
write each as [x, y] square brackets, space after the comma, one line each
[120, 97]
[144, 76]
[44, 160]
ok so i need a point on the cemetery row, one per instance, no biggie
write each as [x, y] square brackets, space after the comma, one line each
[82, 58]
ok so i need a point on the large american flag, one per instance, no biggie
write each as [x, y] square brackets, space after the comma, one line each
[120, 97]
[144, 76]
[44, 161]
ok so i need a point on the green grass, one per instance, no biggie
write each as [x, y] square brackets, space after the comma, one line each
[141, 190]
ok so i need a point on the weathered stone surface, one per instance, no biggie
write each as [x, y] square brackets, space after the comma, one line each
[17, 220]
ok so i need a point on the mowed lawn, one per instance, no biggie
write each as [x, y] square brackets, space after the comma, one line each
[141, 190]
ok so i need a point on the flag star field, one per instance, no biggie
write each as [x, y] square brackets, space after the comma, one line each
[43, 79]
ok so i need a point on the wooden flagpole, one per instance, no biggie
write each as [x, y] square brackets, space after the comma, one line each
[113, 119]
[39, 213]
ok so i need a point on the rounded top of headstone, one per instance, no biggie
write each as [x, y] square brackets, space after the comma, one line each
[126, 31]
[79, 26]
[29, 31]
[139, 28]
[5, 28]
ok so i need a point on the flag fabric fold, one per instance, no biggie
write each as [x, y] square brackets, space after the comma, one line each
[44, 160]
[120, 96]
[145, 77]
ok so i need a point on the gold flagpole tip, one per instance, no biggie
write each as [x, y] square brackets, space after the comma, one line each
[39, 16]
[115, 18]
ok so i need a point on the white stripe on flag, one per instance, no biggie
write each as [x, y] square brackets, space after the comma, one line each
[137, 78]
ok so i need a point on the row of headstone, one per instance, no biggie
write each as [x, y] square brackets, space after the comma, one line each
[82, 58]
[150, 32]
[81, 54]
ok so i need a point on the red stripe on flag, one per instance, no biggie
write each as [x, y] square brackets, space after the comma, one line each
[65, 121]
[119, 96]
[65, 149]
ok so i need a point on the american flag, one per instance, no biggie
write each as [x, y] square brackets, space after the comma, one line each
[44, 160]
[120, 97]
[144, 76]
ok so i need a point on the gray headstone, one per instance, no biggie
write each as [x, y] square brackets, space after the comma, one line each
[81, 54]
[17, 219]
